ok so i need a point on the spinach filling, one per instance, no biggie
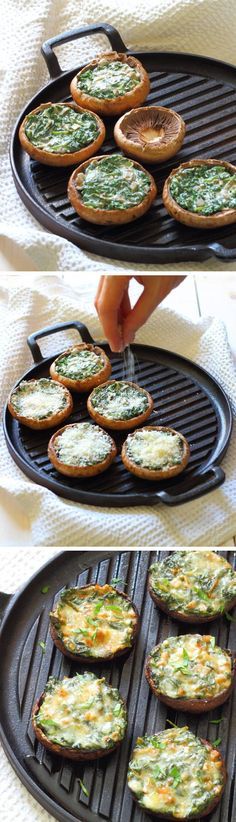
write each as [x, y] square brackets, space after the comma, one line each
[119, 401]
[83, 712]
[173, 772]
[194, 582]
[82, 444]
[94, 621]
[113, 183]
[60, 129]
[190, 667]
[38, 399]
[78, 365]
[204, 189]
[155, 450]
[108, 80]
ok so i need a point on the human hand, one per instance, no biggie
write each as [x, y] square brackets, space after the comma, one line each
[120, 322]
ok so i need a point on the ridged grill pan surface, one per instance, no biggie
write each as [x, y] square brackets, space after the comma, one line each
[203, 92]
[54, 782]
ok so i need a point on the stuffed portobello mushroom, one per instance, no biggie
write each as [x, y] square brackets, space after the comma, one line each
[193, 586]
[95, 622]
[40, 403]
[191, 673]
[61, 134]
[119, 404]
[202, 193]
[112, 83]
[81, 450]
[175, 775]
[155, 452]
[81, 367]
[81, 717]
[111, 190]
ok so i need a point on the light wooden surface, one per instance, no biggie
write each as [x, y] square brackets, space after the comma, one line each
[197, 296]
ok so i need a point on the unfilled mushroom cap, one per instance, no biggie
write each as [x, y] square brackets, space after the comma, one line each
[153, 133]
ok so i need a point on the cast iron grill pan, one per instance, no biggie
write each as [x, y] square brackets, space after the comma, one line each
[54, 782]
[203, 91]
[186, 397]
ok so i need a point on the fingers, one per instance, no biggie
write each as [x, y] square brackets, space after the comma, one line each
[155, 290]
[112, 305]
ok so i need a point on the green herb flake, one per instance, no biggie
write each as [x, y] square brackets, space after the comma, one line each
[217, 742]
[45, 589]
[215, 721]
[83, 788]
[42, 646]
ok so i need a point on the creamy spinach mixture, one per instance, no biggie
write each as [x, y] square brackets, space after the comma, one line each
[119, 401]
[108, 80]
[173, 772]
[39, 399]
[79, 365]
[94, 621]
[195, 582]
[204, 189]
[156, 450]
[60, 129]
[83, 712]
[112, 183]
[82, 444]
[190, 667]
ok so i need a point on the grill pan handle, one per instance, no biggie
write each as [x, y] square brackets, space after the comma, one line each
[194, 486]
[50, 58]
[4, 600]
[52, 329]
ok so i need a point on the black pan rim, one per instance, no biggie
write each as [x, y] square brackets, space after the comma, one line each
[115, 250]
[117, 500]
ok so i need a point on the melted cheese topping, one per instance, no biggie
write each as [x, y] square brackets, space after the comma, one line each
[173, 772]
[79, 365]
[38, 399]
[154, 449]
[119, 401]
[82, 712]
[200, 582]
[190, 667]
[82, 444]
[95, 621]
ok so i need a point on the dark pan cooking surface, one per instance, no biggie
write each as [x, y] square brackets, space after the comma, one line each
[185, 397]
[53, 781]
[203, 91]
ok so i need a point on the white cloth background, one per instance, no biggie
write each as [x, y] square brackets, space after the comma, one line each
[205, 27]
[210, 520]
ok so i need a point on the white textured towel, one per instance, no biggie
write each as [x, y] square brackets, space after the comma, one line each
[198, 26]
[210, 520]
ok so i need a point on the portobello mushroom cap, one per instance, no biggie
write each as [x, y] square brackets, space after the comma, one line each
[188, 616]
[212, 805]
[224, 217]
[117, 423]
[67, 752]
[74, 470]
[86, 383]
[112, 106]
[103, 216]
[151, 133]
[62, 159]
[76, 657]
[151, 473]
[188, 704]
[35, 422]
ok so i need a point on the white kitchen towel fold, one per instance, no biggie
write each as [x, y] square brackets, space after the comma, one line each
[198, 26]
[210, 520]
